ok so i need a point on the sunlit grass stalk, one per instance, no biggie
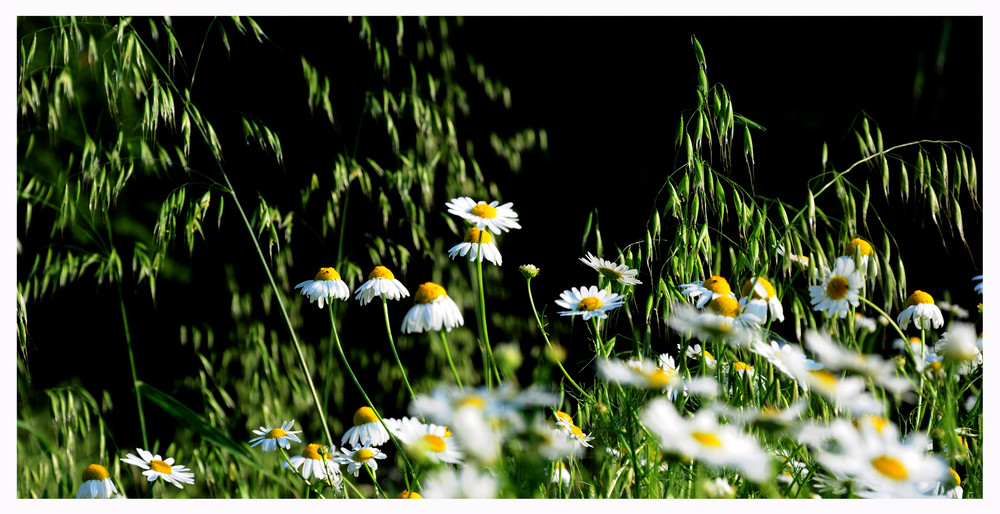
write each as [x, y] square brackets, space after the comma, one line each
[447, 353]
[392, 344]
[131, 361]
[482, 309]
[538, 320]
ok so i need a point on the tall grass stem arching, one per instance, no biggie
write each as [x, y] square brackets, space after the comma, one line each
[447, 353]
[392, 344]
[538, 320]
[131, 361]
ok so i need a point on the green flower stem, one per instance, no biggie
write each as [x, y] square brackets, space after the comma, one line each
[378, 488]
[296, 473]
[482, 307]
[479, 329]
[347, 365]
[447, 353]
[603, 352]
[131, 361]
[545, 336]
[388, 331]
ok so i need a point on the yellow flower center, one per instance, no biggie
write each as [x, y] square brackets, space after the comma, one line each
[934, 366]
[160, 466]
[277, 433]
[823, 376]
[866, 249]
[878, 422]
[427, 292]
[447, 432]
[918, 297]
[890, 467]
[362, 455]
[708, 356]
[725, 305]
[95, 472]
[837, 287]
[610, 273]
[484, 211]
[915, 339]
[472, 236]
[742, 366]
[562, 416]
[717, 284]
[660, 377]
[327, 274]
[576, 431]
[471, 401]
[955, 477]
[589, 303]
[749, 286]
[706, 439]
[410, 495]
[432, 443]
[312, 451]
[381, 272]
[364, 415]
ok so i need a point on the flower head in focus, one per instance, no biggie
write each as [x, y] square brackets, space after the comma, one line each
[327, 284]
[380, 282]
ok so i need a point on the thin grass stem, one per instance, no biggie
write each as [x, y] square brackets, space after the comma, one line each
[392, 344]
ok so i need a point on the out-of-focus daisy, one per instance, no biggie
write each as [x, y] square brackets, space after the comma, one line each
[549, 441]
[364, 455]
[708, 290]
[959, 345]
[380, 282]
[157, 467]
[949, 487]
[979, 286]
[611, 271]
[314, 461]
[836, 357]
[880, 461]
[914, 342]
[718, 488]
[576, 433]
[758, 298]
[956, 310]
[471, 243]
[846, 393]
[409, 495]
[765, 417]
[722, 320]
[661, 375]
[327, 284]
[838, 290]
[96, 483]
[803, 260]
[432, 442]
[485, 215]
[271, 438]
[862, 322]
[703, 439]
[465, 483]
[501, 404]
[787, 358]
[589, 302]
[865, 250]
[367, 427]
[432, 310]
[694, 351]
[560, 474]
[921, 309]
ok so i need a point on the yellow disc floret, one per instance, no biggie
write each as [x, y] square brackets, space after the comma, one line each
[610, 273]
[837, 287]
[824, 376]
[562, 416]
[159, 466]
[726, 306]
[918, 297]
[589, 303]
[749, 286]
[742, 366]
[381, 272]
[410, 495]
[362, 455]
[432, 443]
[856, 243]
[95, 472]
[364, 415]
[473, 235]
[484, 211]
[327, 274]
[313, 451]
[276, 433]
[706, 439]
[890, 467]
[427, 292]
[717, 285]
[471, 401]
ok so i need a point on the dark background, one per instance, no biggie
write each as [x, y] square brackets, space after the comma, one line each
[608, 92]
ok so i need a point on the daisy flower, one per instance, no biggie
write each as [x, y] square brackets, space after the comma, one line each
[956, 310]
[839, 288]
[786, 358]
[862, 322]
[762, 300]
[367, 427]
[863, 248]
[314, 461]
[484, 215]
[845, 393]
[96, 483]
[327, 284]
[432, 310]
[550, 441]
[409, 495]
[471, 243]
[647, 374]
[589, 302]
[433, 442]
[979, 286]
[722, 320]
[560, 474]
[576, 433]
[718, 488]
[836, 357]
[502, 404]
[364, 455]
[271, 438]
[619, 272]
[694, 352]
[949, 487]
[703, 439]
[529, 270]
[466, 483]
[921, 309]
[959, 345]
[708, 290]
[804, 261]
[380, 282]
[155, 467]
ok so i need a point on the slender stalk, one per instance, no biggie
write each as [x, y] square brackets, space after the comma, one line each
[545, 336]
[378, 488]
[388, 331]
[447, 353]
[482, 307]
[131, 361]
